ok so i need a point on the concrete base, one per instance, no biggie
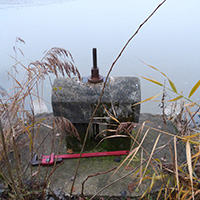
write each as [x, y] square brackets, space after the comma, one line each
[62, 177]
[76, 101]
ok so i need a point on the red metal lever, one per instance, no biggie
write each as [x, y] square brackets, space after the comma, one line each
[50, 159]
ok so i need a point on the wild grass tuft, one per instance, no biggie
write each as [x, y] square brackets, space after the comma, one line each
[18, 125]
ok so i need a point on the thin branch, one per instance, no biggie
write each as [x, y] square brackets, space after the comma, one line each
[99, 173]
[111, 68]
[185, 126]
[53, 170]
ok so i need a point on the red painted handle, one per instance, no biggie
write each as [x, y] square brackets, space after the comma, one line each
[49, 160]
[95, 154]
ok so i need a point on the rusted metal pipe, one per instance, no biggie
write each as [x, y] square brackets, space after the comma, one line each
[95, 77]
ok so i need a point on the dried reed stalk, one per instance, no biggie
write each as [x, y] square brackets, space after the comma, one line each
[19, 195]
[55, 61]
[65, 126]
[12, 109]
[99, 101]
[13, 112]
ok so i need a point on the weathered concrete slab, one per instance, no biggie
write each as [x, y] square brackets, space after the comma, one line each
[62, 177]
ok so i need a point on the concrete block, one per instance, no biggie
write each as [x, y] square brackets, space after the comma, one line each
[76, 100]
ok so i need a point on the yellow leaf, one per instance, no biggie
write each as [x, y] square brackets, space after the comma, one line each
[60, 88]
[157, 70]
[154, 68]
[148, 99]
[193, 90]
[150, 157]
[109, 114]
[187, 193]
[191, 136]
[112, 136]
[55, 88]
[195, 155]
[31, 140]
[153, 180]
[177, 98]
[128, 156]
[160, 177]
[172, 85]
[152, 80]
[193, 142]
[156, 82]
[176, 164]
[189, 162]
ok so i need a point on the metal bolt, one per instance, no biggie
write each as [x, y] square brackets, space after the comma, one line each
[95, 77]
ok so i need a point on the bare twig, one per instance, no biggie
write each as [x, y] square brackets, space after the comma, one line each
[111, 68]
[53, 170]
[183, 129]
[165, 124]
[163, 106]
[99, 173]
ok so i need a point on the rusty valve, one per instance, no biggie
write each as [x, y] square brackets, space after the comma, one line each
[95, 77]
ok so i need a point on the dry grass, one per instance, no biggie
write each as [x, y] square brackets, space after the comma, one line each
[179, 181]
[55, 61]
[176, 180]
[65, 126]
[17, 120]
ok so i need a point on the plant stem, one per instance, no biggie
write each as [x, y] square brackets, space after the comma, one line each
[104, 85]
[8, 163]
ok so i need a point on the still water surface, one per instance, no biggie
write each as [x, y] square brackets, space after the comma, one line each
[169, 41]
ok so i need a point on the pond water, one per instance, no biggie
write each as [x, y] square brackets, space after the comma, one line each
[169, 40]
